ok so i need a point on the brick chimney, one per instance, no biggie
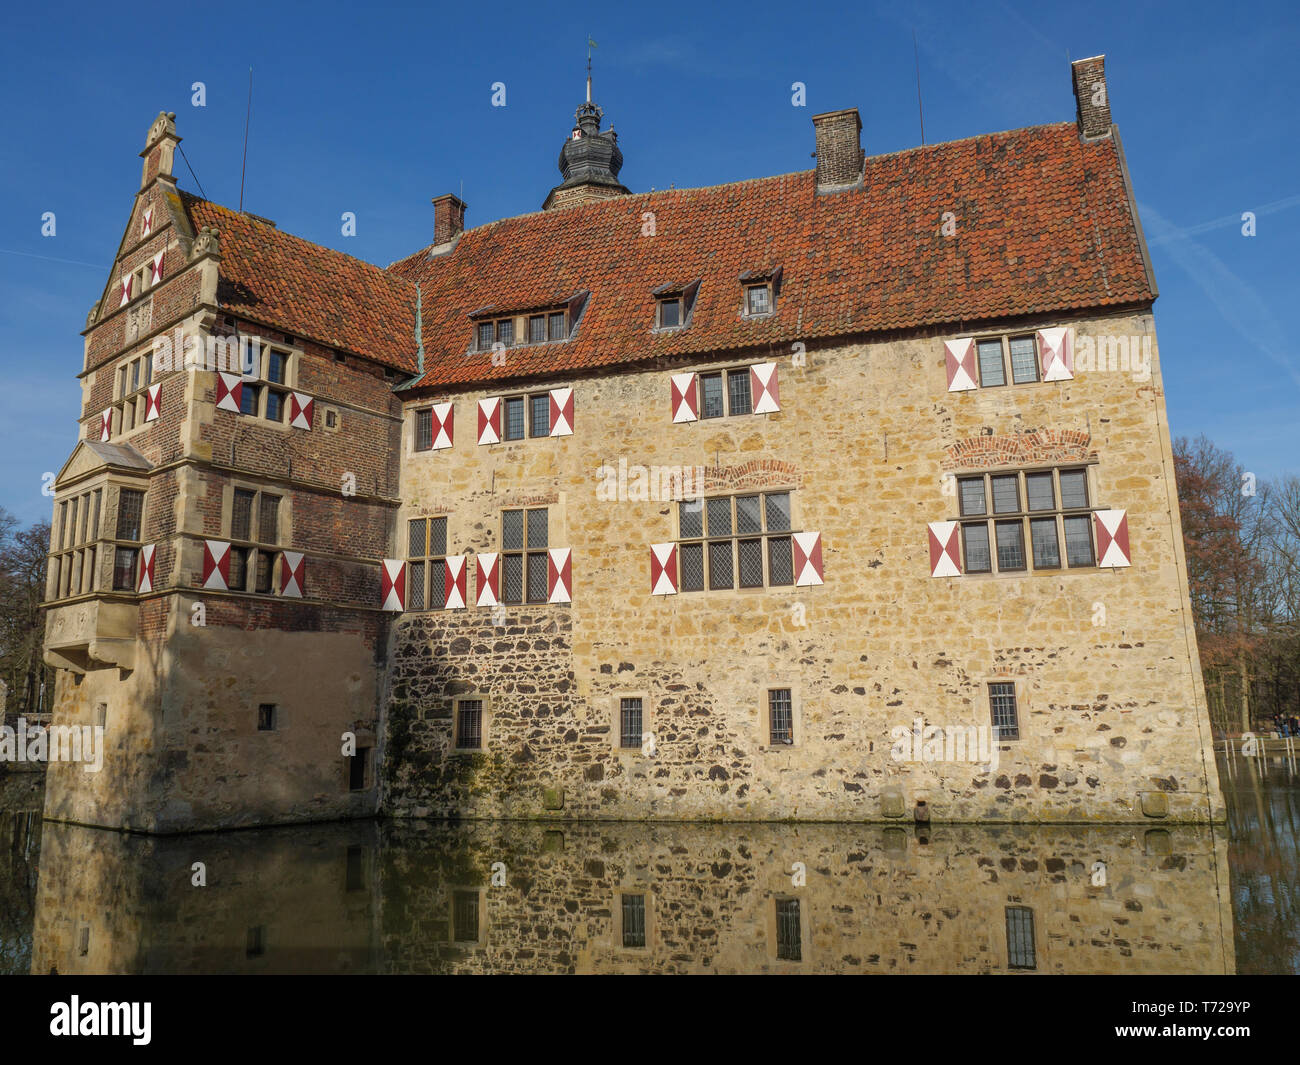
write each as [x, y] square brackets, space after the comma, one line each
[839, 149]
[1092, 101]
[448, 218]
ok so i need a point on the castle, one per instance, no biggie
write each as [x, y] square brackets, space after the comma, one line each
[736, 502]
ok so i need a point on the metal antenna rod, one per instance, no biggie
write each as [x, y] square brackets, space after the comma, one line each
[244, 165]
[917, 60]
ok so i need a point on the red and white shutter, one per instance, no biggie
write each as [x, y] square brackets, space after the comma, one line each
[1056, 353]
[126, 290]
[488, 580]
[559, 575]
[292, 571]
[561, 412]
[663, 569]
[945, 549]
[146, 569]
[153, 402]
[155, 267]
[959, 358]
[301, 409]
[443, 429]
[489, 420]
[685, 399]
[807, 548]
[146, 221]
[764, 388]
[453, 584]
[105, 424]
[1112, 538]
[216, 565]
[392, 584]
[230, 390]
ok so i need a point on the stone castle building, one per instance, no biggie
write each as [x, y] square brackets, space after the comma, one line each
[844, 494]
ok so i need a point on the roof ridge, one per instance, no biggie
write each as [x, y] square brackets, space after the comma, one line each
[293, 236]
[426, 249]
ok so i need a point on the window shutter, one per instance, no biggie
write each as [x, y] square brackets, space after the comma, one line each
[561, 412]
[300, 410]
[488, 580]
[945, 549]
[663, 569]
[392, 584]
[559, 575]
[764, 388]
[1112, 538]
[126, 290]
[489, 420]
[685, 401]
[959, 358]
[105, 424]
[153, 402]
[156, 268]
[807, 558]
[454, 582]
[146, 568]
[443, 430]
[292, 572]
[230, 389]
[216, 565]
[146, 222]
[1056, 353]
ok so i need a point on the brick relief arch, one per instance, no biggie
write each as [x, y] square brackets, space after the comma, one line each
[1035, 447]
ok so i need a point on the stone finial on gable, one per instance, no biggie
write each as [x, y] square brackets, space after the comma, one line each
[160, 148]
[92, 316]
[207, 242]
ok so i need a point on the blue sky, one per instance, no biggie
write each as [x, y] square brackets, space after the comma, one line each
[376, 108]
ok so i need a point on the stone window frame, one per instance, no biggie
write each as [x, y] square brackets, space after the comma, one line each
[805, 927]
[1008, 367]
[428, 560]
[1020, 907]
[263, 385]
[1020, 694]
[530, 424]
[766, 536]
[132, 376]
[474, 889]
[485, 723]
[368, 773]
[634, 887]
[83, 551]
[796, 716]
[1024, 516]
[616, 722]
[524, 552]
[257, 546]
[725, 373]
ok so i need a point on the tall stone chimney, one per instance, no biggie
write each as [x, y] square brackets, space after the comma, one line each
[1092, 102]
[839, 149]
[448, 218]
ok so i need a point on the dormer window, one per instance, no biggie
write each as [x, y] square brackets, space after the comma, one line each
[758, 300]
[760, 289]
[670, 312]
[536, 327]
[673, 304]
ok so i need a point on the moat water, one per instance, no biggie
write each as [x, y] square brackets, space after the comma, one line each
[522, 897]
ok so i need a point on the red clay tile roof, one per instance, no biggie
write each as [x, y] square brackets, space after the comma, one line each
[308, 290]
[1043, 225]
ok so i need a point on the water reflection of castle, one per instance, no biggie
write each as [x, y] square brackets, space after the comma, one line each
[653, 898]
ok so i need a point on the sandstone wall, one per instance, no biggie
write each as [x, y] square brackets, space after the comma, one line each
[1103, 660]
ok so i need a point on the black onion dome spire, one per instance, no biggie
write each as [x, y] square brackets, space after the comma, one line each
[589, 161]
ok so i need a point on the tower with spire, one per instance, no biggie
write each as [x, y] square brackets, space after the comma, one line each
[590, 159]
